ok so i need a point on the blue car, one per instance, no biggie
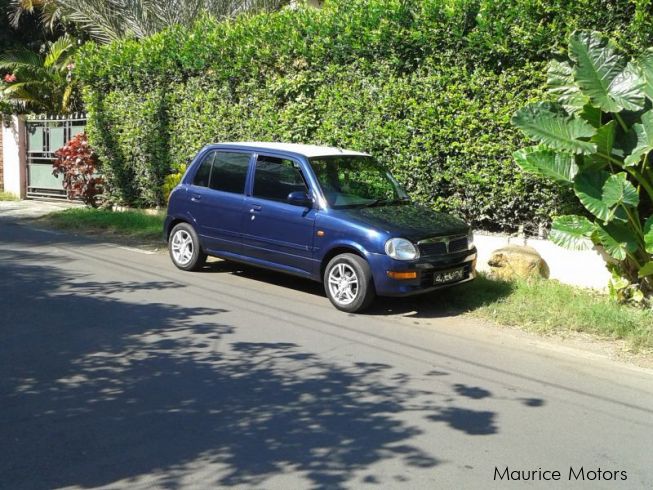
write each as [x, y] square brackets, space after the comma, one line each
[335, 216]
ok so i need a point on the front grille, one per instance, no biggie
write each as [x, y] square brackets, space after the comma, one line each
[442, 245]
[426, 249]
[458, 245]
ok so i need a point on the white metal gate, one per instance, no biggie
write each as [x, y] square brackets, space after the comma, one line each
[45, 135]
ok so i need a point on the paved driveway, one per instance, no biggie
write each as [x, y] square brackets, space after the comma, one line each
[118, 371]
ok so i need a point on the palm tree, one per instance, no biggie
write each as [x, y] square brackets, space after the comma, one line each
[47, 10]
[40, 83]
[107, 20]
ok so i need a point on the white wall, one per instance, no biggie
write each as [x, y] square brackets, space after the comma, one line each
[586, 269]
[13, 147]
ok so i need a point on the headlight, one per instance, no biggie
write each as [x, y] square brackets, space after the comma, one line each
[401, 249]
[470, 239]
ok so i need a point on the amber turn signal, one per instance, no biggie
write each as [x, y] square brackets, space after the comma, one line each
[402, 275]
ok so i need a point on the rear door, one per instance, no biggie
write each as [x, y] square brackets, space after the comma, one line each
[218, 199]
[274, 230]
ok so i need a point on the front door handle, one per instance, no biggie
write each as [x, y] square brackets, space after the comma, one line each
[255, 208]
[195, 197]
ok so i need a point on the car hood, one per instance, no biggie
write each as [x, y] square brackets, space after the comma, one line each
[408, 220]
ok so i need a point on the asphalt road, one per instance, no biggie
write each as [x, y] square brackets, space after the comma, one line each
[119, 371]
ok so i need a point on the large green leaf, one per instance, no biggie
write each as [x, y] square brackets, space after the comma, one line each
[645, 64]
[588, 187]
[560, 81]
[648, 235]
[617, 239]
[603, 75]
[572, 232]
[644, 135]
[542, 161]
[591, 114]
[646, 270]
[548, 124]
[604, 140]
[618, 190]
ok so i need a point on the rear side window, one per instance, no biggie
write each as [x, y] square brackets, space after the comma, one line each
[229, 171]
[203, 173]
[275, 178]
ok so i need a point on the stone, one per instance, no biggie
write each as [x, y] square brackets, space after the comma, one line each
[517, 262]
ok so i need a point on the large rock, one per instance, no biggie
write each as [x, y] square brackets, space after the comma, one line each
[517, 262]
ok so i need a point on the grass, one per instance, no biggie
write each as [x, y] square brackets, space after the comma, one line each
[7, 196]
[547, 306]
[542, 306]
[135, 225]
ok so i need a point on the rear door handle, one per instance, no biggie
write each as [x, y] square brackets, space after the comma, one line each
[195, 197]
[255, 208]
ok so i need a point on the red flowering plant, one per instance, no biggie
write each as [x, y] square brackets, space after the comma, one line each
[78, 164]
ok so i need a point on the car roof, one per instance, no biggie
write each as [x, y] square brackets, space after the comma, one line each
[299, 149]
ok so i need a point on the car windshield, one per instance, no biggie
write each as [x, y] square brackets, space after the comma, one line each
[352, 180]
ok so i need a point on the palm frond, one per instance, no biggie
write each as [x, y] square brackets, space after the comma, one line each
[20, 58]
[59, 51]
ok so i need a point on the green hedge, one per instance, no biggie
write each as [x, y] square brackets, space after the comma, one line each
[427, 86]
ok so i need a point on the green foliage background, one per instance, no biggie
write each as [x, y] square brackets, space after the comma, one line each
[427, 86]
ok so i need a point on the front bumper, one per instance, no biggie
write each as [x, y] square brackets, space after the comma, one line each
[425, 267]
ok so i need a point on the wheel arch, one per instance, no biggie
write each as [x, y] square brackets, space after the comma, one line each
[338, 250]
[174, 222]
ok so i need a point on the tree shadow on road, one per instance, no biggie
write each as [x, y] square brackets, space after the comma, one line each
[98, 388]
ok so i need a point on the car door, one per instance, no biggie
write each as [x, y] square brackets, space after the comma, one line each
[274, 230]
[218, 200]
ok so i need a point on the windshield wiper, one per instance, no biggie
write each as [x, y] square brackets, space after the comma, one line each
[378, 202]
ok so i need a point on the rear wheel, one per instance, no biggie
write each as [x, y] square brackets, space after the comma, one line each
[184, 247]
[348, 283]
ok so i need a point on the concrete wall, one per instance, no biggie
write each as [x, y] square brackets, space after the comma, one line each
[13, 156]
[585, 269]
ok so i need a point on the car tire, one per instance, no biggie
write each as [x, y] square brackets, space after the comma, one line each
[348, 283]
[185, 249]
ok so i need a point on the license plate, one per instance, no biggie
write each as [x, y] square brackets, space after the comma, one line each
[452, 275]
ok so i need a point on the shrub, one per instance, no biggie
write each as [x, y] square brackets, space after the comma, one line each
[77, 162]
[427, 86]
[596, 138]
[171, 181]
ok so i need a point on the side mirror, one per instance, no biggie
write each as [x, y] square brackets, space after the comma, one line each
[300, 198]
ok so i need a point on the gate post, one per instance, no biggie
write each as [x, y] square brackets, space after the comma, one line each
[14, 150]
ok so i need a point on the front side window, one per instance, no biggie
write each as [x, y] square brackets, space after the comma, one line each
[275, 178]
[203, 174]
[352, 180]
[229, 171]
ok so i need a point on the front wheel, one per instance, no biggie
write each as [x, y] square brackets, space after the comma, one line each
[348, 283]
[184, 247]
